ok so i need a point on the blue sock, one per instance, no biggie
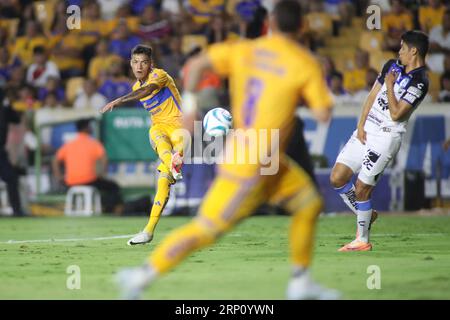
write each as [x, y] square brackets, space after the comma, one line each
[347, 193]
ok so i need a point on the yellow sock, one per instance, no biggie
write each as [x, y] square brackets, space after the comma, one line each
[179, 244]
[161, 197]
[164, 150]
[301, 235]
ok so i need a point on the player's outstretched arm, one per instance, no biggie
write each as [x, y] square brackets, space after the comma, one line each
[189, 99]
[135, 95]
[361, 134]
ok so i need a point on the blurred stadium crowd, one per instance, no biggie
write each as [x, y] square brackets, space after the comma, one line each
[44, 65]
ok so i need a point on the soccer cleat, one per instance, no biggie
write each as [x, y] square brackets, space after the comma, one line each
[141, 238]
[356, 245]
[177, 161]
[132, 281]
[304, 288]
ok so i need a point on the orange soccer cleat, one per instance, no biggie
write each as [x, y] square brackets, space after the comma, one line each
[356, 245]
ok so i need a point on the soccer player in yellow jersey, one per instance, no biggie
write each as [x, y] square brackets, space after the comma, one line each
[267, 78]
[159, 96]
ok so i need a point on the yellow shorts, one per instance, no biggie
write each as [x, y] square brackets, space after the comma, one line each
[160, 132]
[232, 198]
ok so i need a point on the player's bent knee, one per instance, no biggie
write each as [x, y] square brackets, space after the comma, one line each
[337, 179]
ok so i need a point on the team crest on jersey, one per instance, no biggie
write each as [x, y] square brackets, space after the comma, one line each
[404, 82]
[383, 101]
[370, 159]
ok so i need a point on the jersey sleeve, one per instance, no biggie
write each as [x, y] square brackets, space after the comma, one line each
[220, 56]
[159, 77]
[315, 91]
[385, 70]
[415, 92]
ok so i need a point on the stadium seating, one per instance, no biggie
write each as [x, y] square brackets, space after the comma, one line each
[371, 41]
[379, 58]
[320, 22]
[435, 84]
[72, 87]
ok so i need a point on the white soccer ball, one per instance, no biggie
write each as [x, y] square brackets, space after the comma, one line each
[217, 122]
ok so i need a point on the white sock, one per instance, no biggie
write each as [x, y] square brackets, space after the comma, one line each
[363, 219]
[347, 193]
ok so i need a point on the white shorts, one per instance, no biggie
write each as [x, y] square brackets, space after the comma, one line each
[370, 159]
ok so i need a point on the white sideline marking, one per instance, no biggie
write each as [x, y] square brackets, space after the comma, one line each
[67, 240]
[232, 235]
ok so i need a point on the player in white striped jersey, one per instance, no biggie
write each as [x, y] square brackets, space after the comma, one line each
[399, 89]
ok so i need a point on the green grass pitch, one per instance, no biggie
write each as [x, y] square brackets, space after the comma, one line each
[251, 262]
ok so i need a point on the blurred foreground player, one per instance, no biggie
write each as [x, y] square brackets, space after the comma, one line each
[267, 77]
[398, 91]
[158, 94]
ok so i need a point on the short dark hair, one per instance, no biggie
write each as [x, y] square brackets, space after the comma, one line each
[82, 124]
[337, 74]
[143, 49]
[418, 40]
[288, 15]
[39, 50]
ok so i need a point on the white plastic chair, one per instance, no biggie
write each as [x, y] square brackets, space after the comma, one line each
[83, 201]
[5, 208]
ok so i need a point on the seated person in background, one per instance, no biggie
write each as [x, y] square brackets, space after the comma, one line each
[89, 97]
[123, 41]
[340, 8]
[339, 94]
[52, 102]
[80, 157]
[53, 86]
[439, 44]
[328, 68]
[42, 69]
[395, 22]
[444, 94]
[152, 27]
[355, 79]
[24, 45]
[26, 99]
[66, 49]
[360, 95]
[102, 60]
[7, 64]
[116, 84]
[431, 15]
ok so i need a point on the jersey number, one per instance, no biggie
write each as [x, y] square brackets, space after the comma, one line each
[253, 89]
